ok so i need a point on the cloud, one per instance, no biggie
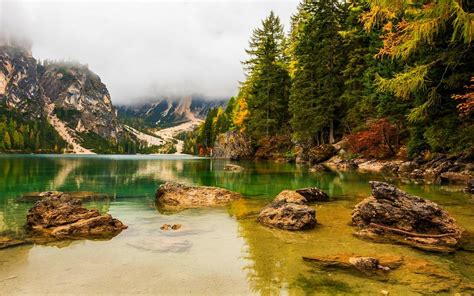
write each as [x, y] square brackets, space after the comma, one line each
[150, 48]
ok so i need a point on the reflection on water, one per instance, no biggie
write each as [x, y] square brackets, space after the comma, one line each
[217, 251]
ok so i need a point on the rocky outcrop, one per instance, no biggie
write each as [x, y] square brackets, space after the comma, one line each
[70, 96]
[82, 195]
[439, 169]
[288, 211]
[232, 145]
[321, 153]
[63, 217]
[80, 99]
[19, 77]
[313, 194]
[175, 196]
[396, 216]
[233, 168]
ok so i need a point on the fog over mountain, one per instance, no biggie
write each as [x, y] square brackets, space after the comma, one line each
[146, 49]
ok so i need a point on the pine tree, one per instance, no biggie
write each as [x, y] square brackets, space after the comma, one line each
[316, 90]
[267, 81]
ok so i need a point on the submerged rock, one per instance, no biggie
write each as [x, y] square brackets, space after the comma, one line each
[317, 168]
[176, 196]
[233, 168]
[289, 216]
[370, 266]
[313, 194]
[82, 195]
[170, 226]
[6, 241]
[61, 216]
[393, 215]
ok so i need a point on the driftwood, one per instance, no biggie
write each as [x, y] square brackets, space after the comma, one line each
[399, 231]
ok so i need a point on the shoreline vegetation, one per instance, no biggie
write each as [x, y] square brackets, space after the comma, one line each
[368, 78]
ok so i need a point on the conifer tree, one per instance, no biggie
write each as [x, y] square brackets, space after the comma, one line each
[268, 81]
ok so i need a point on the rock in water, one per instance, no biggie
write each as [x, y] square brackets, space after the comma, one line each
[370, 266]
[290, 196]
[61, 216]
[313, 194]
[393, 215]
[288, 211]
[176, 196]
[233, 168]
[289, 216]
[82, 195]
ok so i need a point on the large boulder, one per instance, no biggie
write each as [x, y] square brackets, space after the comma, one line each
[232, 145]
[176, 196]
[393, 215]
[61, 216]
[288, 216]
[313, 194]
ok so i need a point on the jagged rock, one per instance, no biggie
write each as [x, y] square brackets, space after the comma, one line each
[290, 196]
[393, 215]
[317, 168]
[175, 196]
[19, 87]
[232, 145]
[233, 168]
[82, 195]
[321, 153]
[370, 266]
[288, 216]
[61, 216]
[313, 194]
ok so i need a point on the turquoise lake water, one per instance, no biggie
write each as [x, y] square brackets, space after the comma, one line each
[217, 251]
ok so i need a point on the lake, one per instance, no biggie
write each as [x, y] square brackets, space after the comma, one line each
[218, 250]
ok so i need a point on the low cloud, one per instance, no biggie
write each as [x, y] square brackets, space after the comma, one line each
[148, 48]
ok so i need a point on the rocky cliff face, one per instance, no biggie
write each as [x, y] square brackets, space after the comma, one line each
[75, 91]
[19, 86]
[70, 96]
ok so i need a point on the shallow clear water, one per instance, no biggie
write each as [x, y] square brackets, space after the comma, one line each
[217, 251]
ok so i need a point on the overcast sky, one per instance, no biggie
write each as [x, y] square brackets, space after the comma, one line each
[150, 48]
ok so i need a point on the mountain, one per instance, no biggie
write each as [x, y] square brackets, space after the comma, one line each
[67, 96]
[164, 113]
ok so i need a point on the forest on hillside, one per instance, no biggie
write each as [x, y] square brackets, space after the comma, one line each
[390, 78]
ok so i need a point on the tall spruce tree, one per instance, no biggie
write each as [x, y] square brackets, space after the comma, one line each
[315, 94]
[268, 81]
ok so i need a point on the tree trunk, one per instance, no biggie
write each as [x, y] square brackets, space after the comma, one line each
[331, 132]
